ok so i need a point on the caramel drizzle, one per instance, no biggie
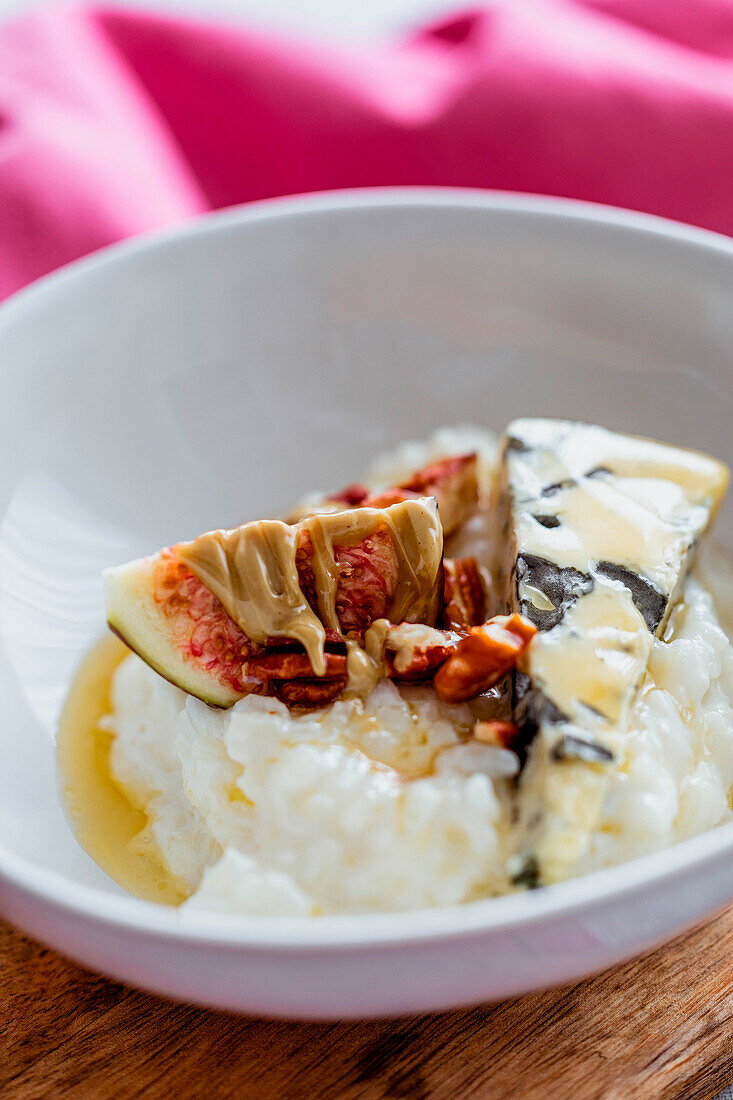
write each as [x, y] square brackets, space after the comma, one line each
[252, 570]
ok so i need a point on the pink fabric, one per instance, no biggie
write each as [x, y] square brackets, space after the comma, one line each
[113, 122]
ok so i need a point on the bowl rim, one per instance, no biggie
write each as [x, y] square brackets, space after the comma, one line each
[386, 929]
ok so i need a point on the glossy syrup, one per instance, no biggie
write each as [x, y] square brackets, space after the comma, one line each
[104, 820]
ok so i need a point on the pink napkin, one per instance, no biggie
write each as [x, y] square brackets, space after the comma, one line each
[113, 122]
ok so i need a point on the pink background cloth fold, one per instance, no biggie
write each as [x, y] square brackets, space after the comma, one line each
[113, 122]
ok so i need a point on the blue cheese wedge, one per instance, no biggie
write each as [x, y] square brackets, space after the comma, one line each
[600, 530]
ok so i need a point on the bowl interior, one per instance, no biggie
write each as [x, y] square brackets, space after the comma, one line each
[216, 375]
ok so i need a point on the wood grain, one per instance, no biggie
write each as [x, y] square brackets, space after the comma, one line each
[657, 1028]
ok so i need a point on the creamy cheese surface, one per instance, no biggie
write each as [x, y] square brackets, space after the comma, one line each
[590, 663]
[583, 497]
[600, 533]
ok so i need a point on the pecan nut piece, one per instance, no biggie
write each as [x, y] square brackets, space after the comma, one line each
[483, 657]
[506, 735]
[307, 694]
[289, 676]
[294, 666]
[464, 594]
[353, 495]
[413, 651]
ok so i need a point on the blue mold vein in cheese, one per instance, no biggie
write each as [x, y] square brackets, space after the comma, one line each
[600, 530]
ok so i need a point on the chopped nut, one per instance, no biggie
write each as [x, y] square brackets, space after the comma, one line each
[495, 732]
[353, 495]
[481, 658]
[293, 666]
[308, 694]
[464, 594]
[414, 651]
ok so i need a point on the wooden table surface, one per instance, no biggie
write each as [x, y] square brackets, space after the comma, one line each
[657, 1028]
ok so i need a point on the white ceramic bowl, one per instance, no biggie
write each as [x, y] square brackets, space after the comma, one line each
[215, 373]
